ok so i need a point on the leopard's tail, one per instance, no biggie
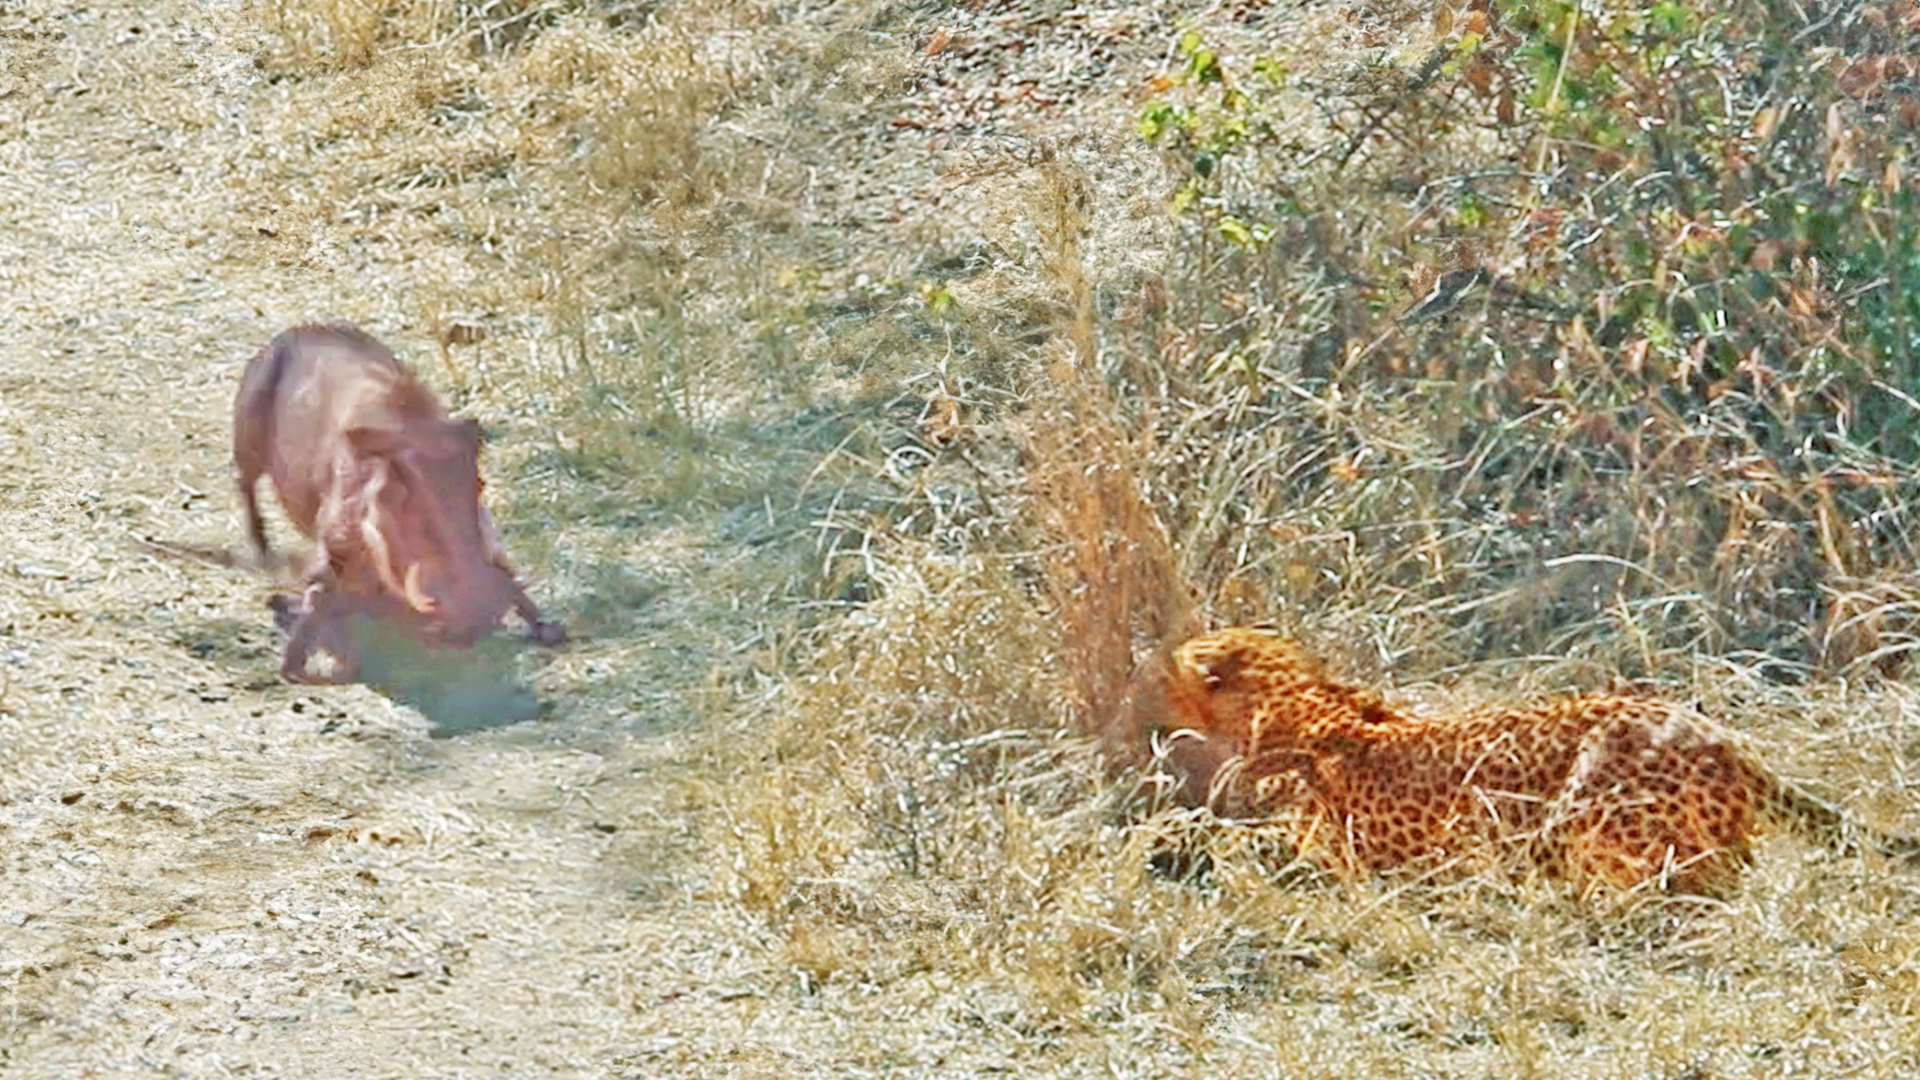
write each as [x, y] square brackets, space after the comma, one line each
[1817, 821]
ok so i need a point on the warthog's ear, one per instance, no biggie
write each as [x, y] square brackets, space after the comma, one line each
[372, 441]
[469, 429]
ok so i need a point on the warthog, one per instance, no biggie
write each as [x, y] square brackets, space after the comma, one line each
[372, 469]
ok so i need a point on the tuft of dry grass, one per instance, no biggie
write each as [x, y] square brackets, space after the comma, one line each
[1116, 595]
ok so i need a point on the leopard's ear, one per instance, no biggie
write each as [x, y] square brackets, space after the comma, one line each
[1221, 668]
[1372, 707]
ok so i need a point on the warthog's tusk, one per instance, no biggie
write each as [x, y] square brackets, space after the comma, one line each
[375, 542]
[416, 597]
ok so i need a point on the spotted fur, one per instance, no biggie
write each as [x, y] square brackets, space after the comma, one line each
[1601, 787]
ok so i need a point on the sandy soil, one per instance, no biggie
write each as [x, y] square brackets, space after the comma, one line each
[205, 872]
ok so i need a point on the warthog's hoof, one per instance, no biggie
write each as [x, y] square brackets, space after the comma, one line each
[547, 633]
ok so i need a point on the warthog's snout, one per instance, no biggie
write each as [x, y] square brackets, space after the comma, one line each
[465, 606]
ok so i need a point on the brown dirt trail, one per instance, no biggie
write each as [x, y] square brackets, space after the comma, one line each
[204, 871]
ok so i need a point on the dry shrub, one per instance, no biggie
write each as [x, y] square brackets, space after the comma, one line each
[912, 801]
[616, 106]
[1117, 595]
[1114, 589]
[932, 687]
[1869, 625]
[637, 102]
[1062, 208]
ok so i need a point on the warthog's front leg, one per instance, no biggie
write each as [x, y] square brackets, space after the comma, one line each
[539, 630]
[317, 623]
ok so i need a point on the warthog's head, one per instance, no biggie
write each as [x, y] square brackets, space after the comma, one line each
[430, 543]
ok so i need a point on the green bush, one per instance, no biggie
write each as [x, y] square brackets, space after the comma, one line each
[1683, 403]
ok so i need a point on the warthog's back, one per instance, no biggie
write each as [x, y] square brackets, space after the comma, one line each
[302, 393]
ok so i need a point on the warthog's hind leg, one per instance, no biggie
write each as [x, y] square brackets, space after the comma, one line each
[263, 555]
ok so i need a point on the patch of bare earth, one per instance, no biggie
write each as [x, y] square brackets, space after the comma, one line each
[204, 871]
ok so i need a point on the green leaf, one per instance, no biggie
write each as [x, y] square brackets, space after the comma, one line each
[1155, 117]
[1205, 66]
[936, 297]
[1669, 17]
[1236, 232]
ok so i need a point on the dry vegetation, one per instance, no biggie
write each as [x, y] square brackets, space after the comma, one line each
[878, 390]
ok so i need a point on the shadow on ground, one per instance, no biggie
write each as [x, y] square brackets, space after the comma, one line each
[457, 690]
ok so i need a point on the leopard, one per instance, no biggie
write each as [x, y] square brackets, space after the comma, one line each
[1608, 789]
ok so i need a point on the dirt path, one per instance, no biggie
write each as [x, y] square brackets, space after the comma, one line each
[206, 872]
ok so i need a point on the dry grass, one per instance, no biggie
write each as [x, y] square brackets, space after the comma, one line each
[1116, 595]
[851, 392]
